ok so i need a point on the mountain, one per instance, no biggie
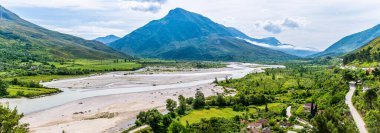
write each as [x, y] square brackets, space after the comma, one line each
[368, 53]
[286, 48]
[17, 31]
[107, 39]
[351, 42]
[185, 35]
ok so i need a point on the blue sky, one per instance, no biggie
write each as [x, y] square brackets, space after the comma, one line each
[305, 23]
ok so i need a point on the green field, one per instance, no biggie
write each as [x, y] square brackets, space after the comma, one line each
[45, 78]
[99, 65]
[196, 115]
[276, 107]
[19, 91]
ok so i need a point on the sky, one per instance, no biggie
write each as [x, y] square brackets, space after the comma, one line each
[304, 23]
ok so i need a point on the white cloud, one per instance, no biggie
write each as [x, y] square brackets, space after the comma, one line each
[152, 6]
[278, 26]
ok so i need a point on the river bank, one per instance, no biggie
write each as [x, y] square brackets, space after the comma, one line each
[104, 102]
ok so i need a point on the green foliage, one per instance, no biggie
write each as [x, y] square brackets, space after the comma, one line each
[176, 127]
[239, 107]
[369, 96]
[3, 88]
[199, 100]
[372, 119]
[153, 118]
[10, 121]
[171, 105]
[329, 122]
[215, 125]
[368, 53]
[182, 105]
[195, 116]
[32, 42]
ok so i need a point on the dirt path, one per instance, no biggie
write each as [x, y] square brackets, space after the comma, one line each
[355, 114]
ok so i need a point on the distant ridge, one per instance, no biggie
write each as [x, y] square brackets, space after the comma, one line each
[107, 39]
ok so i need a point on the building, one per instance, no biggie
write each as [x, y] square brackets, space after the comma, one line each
[255, 125]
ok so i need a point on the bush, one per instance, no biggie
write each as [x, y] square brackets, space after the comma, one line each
[239, 107]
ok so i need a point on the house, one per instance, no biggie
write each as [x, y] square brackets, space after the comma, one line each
[307, 107]
[255, 125]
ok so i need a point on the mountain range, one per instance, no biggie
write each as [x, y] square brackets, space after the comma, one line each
[368, 53]
[186, 35]
[17, 31]
[351, 42]
[107, 39]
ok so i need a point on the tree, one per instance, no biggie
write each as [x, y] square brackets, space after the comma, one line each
[171, 105]
[153, 118]
[3, 88]
[266, 108]
[369, 96]
[182, 105]
[328, 122]
[181, 98]
[189, 100]
[10, 121]
[167, 119]
[283, 112]
[176, 127]
[199, 100]
[220, 100]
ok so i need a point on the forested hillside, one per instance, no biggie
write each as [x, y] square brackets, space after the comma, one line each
[368, 53]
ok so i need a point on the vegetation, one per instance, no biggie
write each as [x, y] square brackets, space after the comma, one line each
[366, 98]
[266, 96]
[18, 35]
[23, 78]
[197, 115]
[180, 64]
[369, 53]
[9, 120]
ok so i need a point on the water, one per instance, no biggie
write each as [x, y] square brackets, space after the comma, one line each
[27, 106]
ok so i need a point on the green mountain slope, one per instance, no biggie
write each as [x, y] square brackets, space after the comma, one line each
[351, 42]
[185, 35]
[16, 31]
[219, 48]
[368, 53]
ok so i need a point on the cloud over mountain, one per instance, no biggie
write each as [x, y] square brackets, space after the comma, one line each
[278, 26]
[152, 6]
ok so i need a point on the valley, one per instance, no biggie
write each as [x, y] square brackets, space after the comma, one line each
[140, 91]
[160, 68]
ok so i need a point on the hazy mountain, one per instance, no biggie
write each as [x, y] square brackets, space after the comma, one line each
[107, 39]
[368, 53]
[351, 42]
[186, 35]
[17, 31]
[286, 48]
